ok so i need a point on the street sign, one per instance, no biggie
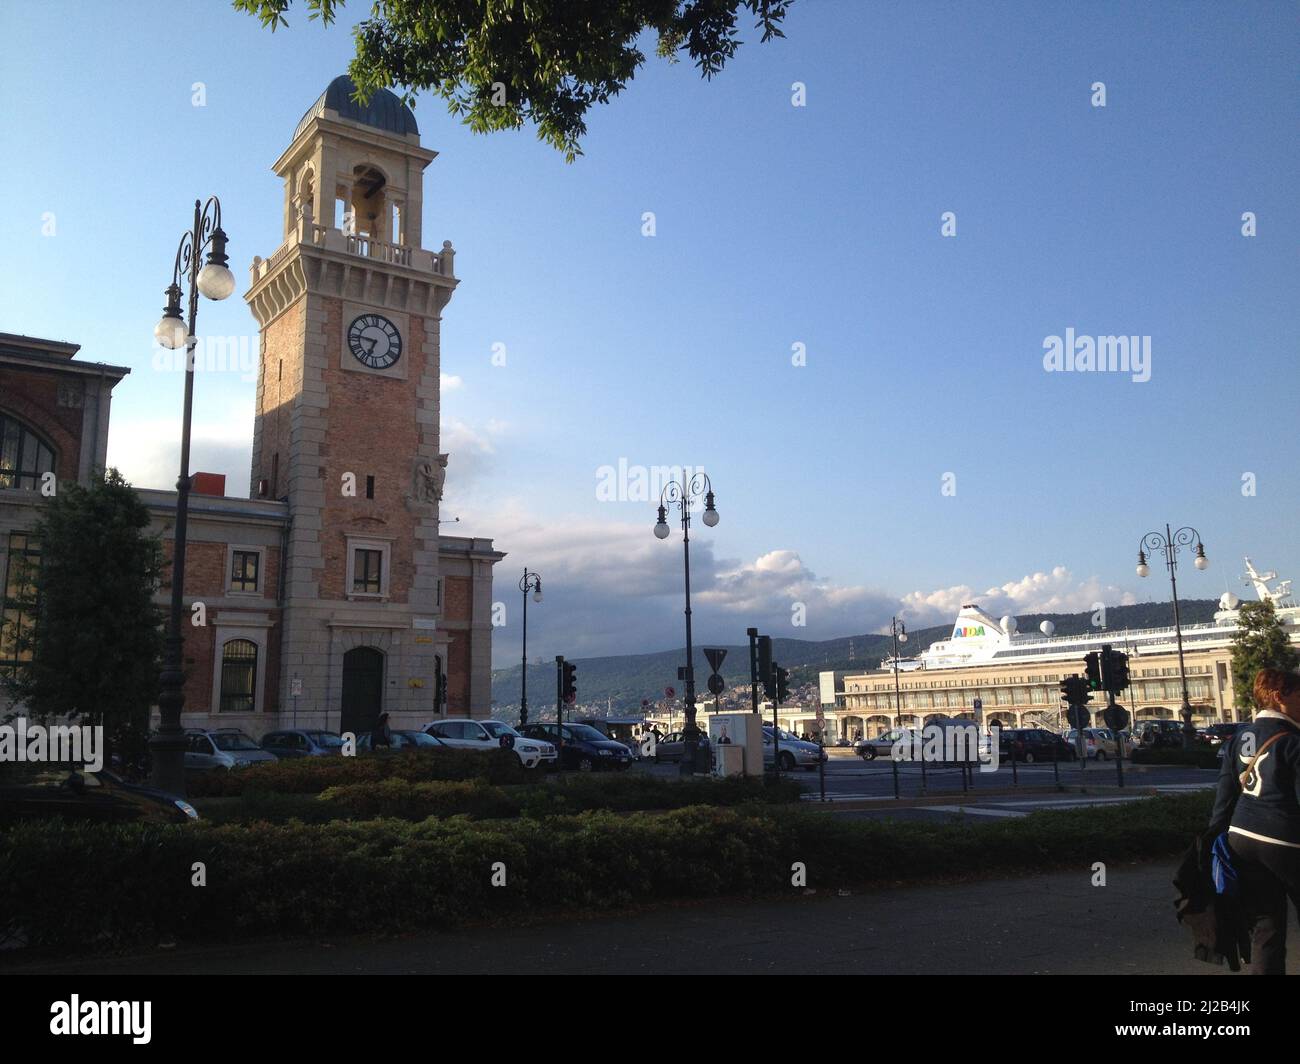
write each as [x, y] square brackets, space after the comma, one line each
[1116, 717]
[295, 687]
[978, 703]
[716, 684]
[1079, 717]
[978, 706]
[714, 656]
[670, 692]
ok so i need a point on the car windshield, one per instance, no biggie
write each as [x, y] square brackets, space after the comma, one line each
[233, 741]
[585, 731]
[496, 728]
[326, 739]
[418, 738]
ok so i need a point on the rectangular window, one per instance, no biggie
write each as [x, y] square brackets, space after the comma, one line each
[244, 566]
[370, 487]
[18, 600]
[367, 571]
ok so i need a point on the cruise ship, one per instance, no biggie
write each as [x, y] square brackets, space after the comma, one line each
[988, 668]
[979, 639]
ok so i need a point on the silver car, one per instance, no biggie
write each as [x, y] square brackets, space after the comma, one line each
[794, 752]
[222, 748]
[1101, 742]
[882, 745]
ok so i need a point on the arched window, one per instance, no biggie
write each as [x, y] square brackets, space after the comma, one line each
[238, 676]
[24, 456]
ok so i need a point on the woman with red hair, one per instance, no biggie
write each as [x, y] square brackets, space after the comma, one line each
[1258, 805]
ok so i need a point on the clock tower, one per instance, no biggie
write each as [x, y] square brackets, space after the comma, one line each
[347, 417]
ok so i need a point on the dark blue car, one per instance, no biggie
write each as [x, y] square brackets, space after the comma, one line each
[581, 746]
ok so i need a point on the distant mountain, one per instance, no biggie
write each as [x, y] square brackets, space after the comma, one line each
[622, 681]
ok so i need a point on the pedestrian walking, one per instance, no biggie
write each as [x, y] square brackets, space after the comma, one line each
[1257, 811]
[382, 735]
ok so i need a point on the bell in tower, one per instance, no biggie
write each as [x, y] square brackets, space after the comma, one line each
[347, 413]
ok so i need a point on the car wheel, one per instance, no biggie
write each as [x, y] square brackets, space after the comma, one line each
[1029, 757]
[787, 761]
[869, 753]
[586, 764]
[1101, 755]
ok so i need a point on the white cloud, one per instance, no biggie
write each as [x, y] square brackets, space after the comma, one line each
[1057, 591]
[450, 383]
[148, 452]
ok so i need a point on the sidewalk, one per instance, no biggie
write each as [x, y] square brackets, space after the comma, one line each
[1048, 924]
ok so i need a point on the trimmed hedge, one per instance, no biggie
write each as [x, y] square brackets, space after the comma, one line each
[68, 886]
[416, 800]
[311, 775]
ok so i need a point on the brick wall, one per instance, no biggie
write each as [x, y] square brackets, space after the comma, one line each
[34, 398]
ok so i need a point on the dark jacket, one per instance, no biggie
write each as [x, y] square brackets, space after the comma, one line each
[1270, 808]
[1218, 926]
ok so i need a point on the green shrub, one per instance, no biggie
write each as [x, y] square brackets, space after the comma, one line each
[417, 799]
[311, 775]
[72, 886]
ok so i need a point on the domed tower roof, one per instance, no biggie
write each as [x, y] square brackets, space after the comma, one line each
[384, 111]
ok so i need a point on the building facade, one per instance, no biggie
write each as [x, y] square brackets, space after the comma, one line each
[328, 596]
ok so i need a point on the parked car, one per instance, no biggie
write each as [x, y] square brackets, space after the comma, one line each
[882, 745]
[44, 791]
[1101, 743]
[222, 748]
[672, 747]
[303, 743]
[462, 733]
[581, 746]
[1034, 744]
[843, 741]
[794, 752]
[398, 740]
[1217, 734]
[1161, 732]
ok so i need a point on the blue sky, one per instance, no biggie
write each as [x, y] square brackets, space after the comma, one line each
[775, 225]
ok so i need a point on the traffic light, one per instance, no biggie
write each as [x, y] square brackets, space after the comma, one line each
[1116, 671]
[782, 683]
[1074, 689]
[765, 665]
[569, 683]
[1092, 661]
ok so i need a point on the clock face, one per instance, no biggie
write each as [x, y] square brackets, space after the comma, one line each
[374, 341]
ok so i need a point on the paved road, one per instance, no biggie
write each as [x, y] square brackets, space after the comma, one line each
[849, 777]
[1047, 924]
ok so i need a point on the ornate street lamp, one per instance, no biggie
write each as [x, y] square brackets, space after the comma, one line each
[899, 632]
[1170, 544]
[215, 281]
[684, 495]
[530, 582]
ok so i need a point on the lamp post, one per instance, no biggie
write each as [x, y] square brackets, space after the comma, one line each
[1170, 544]
[530, 582]
[215, 281]
[899, 632]
[683, 495]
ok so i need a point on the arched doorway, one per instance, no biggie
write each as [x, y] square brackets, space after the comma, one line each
[363, 689]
